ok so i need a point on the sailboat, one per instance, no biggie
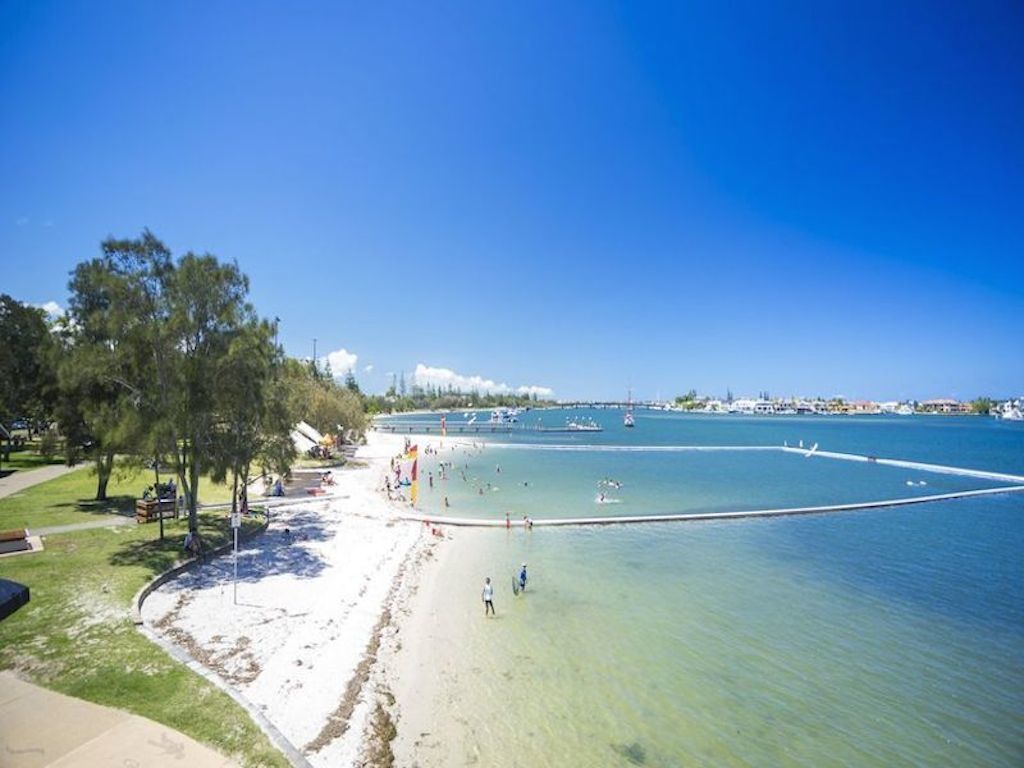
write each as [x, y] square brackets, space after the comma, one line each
[627, 419]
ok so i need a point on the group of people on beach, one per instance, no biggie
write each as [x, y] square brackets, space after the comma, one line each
[518, 586]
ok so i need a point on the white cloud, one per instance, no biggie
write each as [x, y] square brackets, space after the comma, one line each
[426, 375]
[533, 389]
[341, 361]
[21, 221]
[52, 308]
[368, 368]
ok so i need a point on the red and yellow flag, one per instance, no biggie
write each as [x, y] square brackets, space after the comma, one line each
[413, 455]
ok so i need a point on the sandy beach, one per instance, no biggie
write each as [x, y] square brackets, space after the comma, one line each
[303, 644]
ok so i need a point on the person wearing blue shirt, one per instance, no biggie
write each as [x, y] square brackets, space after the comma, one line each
[522, 578]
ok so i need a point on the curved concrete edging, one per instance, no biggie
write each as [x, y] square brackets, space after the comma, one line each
[182, 566]
[475, 522]
[278, 739]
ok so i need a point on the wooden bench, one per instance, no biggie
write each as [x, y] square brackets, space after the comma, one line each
[148, 510]
[14, 541]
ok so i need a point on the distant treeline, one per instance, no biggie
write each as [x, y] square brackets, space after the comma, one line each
[435, 398]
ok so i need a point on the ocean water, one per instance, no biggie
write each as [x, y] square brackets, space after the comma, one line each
[884, 637]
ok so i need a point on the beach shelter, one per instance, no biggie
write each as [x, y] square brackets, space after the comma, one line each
[304, 429]
[303, 444]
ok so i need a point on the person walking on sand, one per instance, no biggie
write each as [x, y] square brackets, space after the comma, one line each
[488, 596]
[522, 578]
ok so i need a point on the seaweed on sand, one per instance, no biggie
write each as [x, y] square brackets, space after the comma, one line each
[634, 752]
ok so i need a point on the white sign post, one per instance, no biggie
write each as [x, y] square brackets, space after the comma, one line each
[236, 522]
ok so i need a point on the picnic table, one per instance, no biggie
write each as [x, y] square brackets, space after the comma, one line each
[148, 510]
[14, 541]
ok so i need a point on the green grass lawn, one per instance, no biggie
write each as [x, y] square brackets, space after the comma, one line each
[307, 462]
[28, 459]
[70, 499]
[76, 636]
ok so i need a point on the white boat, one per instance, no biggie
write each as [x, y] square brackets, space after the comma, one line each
[628, 419]
[573, 425]
[1011, 411]
[504, 416]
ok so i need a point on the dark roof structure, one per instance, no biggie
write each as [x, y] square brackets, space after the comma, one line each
[12, 597]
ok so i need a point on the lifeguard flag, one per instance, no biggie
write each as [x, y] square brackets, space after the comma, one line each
[413, 454]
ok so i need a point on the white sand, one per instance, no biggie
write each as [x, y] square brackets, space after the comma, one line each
[306, 610]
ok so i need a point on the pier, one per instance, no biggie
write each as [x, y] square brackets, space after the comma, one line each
[477, 428]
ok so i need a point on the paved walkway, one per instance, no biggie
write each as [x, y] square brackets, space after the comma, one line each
[21, 479]
[106, 522]
[43, 729]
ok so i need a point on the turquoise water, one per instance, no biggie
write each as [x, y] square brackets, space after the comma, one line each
[885, 637]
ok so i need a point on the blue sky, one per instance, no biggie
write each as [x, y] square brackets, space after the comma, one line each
[802, 198]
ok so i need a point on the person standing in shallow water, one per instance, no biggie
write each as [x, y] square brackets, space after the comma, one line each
[488, 596]
[522, 579]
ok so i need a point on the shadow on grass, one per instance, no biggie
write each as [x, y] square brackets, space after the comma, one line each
[157, 555]
[112, 505]
[154, 555]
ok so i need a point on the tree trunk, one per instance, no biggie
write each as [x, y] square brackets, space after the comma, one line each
[193, 492]
[156, 486]
[245, 487]
[234, 493]
[104, 466]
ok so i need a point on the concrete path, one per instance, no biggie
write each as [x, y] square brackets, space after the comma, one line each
[106, 522]
[44, 729]
[21, 479]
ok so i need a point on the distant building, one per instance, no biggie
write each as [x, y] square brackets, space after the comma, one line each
[943, 405]
[864, 407]
[742, 405]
